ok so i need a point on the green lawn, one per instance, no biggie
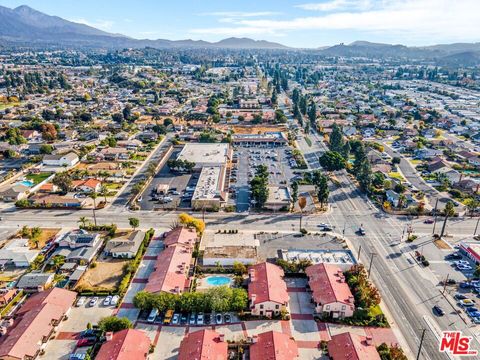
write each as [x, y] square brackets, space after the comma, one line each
[396, 175]
[38, 178]
[113, 186]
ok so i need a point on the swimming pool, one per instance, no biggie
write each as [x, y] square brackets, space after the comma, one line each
[27, 183]
[218, 280]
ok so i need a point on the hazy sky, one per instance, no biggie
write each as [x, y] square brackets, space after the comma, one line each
[295, 23]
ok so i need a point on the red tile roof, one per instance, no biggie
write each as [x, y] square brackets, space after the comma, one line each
[203, 345]
[125, 345]
[267, 284]
[33, 322]
[328, 284]
[274, 345]
[180, 235]
[170, 272]
[349, 346]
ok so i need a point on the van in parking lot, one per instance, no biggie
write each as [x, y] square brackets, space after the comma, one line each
[168, 317]
[153, 315]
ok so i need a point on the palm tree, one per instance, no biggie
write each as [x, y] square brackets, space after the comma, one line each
[103, 192]
[302, 202]
[447, 212]
[94, 196]
[83, 220]
[35, 233]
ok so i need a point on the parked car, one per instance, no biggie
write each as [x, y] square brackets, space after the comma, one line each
[168, 317]
[86, 341]
[228, 318]
[471, 309]
[466, 302]
[184, 319]
[459, 296]
[454, 256]
[429, 221]
[361, 231]
[193, 317]
[114, 300]
[438, 310]
[200, 319]
[208, 319]
[93, 301]
[176, 319]
[153, 315]
[107, 301]
[80, 301]
[465, 285]
[219, 319]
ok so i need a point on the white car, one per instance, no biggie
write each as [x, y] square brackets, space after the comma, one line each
[107, 301]
[200, 319]
[81, 301]
[93, 301]
[176, 319]
[114, 300]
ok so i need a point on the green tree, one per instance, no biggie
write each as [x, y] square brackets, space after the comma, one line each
[332, 161]
[449, 211]
[134, 222]
[113, 323]
[336, 139]
[259, 186]
[294, 192]
[83, 220]
[312, 114]
[63, 180]
[239, 268]
[239, 299]
[322, 190]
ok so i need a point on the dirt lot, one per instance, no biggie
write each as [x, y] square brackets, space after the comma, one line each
[104, 277]
[257, 129]
[46, 235]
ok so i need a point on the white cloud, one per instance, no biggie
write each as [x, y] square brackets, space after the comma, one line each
[410, 21]
[99, 24]
[239, 14]
[336, 5]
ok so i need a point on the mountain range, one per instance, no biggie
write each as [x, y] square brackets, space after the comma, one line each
[29, 27]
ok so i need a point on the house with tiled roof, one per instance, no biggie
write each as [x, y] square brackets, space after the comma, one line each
[203, 345]
[87, 186]
[170, 272]
[273, 345]
[267, 291]
[330, 291]
[34, 323]
[125, 345]
[348, 346]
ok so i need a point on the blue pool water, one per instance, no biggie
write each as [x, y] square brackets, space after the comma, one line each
[218, 280]
[27, 183]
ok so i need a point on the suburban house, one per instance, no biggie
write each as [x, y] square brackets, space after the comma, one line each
[125, 247]
[66, 160]
[34, 323]
[278, 198]
[57, 201]
[14, 193]
[6, 295]
[170, 272]
[273, 345]
[79, 246]
[87, 186]
[18, 253]
[35, 281]
[124, 345]
[203, 345]
[267, 291]
[330, 292]
[348, 346]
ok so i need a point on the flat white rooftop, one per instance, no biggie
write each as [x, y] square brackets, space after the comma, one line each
[205, 154]
[209, 182]
[336, 257]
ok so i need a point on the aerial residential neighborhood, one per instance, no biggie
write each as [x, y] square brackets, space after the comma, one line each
[253, 193]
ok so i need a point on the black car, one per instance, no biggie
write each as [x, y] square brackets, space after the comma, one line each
[460, 296]
[454, 256]
[207, 319]
[438, 310]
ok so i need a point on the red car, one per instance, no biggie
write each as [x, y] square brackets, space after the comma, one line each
[86, 342]
[428, 221]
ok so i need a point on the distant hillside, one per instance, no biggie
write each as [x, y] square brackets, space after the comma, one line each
[24, 25]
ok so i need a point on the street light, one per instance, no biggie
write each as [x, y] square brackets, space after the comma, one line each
[371, 263]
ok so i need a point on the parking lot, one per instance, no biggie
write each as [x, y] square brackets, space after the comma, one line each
[277, 160]
[67, 333]
[177, 196]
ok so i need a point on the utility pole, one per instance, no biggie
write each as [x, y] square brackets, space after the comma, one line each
[435, 217]
[359, 251]
[421, 343]
[445, 284]
[371, 263]
[476, 227]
